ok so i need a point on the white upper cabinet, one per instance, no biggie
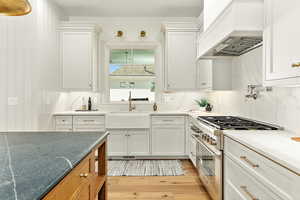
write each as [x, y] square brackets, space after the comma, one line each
[180, 56]
[215, 74]
[78, 56]
[281, 43]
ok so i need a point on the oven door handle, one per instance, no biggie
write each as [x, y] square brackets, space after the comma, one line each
[210, 151]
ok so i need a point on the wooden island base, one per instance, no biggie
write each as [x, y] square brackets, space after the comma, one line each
[87, 181]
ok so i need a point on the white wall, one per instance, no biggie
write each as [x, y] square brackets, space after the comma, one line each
[29, 67]
[282, 106]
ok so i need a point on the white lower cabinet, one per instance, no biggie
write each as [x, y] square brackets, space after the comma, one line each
[168, 141]
[138, 143]
[168, 135]
[64, 123]
[117, 143]
[80, 123]
[253, 176]
[128, 143]
[241, 185]
[88, 123]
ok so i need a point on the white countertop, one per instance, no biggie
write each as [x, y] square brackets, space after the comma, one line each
[89, 113]
[276, 145]
[80, 113]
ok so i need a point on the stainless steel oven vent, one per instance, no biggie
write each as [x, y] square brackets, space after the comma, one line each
[236, 46]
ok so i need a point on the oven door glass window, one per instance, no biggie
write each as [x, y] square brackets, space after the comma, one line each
[206, 161]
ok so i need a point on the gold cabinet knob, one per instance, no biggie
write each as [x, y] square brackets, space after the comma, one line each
[84, 175]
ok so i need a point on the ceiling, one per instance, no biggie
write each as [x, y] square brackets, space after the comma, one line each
[132, 8]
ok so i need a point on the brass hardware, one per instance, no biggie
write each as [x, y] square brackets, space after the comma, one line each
[84, 175]
[143, 34]
[120, 34]
[296, 65]
[245, 189]
[297, 139]
[14, 7]
[249, 162]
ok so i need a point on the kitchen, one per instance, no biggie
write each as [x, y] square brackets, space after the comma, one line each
[109, 100]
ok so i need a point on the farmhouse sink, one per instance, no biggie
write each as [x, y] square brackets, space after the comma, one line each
[120, 119]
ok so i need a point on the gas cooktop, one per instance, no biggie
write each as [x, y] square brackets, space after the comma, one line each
[235, 123]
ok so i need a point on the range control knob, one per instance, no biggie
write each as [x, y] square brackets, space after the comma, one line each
[213, 141]
[208, 138]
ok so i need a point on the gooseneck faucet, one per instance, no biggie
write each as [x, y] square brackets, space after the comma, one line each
[131, 106]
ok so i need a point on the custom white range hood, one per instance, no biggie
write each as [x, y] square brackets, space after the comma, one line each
[237, 30]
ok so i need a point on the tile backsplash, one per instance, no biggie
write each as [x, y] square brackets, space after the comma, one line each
[281, 106]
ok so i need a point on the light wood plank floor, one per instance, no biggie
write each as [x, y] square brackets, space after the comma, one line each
[187, 187]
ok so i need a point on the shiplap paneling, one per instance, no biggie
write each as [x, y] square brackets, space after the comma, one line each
[29, 67]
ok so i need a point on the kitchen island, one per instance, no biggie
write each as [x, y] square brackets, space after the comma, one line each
[52, 165]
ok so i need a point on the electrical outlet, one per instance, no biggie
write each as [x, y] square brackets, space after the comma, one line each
[12, 101]
[95, 100]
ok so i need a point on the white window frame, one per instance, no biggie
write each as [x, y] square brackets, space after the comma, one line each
[132, 45]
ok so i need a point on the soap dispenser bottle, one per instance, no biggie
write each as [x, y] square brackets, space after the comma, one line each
[155, 107]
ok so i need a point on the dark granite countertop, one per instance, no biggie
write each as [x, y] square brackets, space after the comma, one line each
[32, 163]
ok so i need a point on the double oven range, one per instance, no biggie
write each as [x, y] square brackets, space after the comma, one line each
[207, 132]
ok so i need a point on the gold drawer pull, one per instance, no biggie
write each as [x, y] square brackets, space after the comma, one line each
[83, 175]
[245, 189]
[296, 65]
[249, 162]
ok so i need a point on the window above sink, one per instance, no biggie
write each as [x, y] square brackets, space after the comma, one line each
[132, 70]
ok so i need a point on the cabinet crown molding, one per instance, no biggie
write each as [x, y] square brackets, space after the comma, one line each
[180, 26]
[79, 26]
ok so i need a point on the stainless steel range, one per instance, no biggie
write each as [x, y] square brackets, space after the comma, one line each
[209, 155]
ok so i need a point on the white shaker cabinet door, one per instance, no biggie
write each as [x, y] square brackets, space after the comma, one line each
[138, 142]
[168, 141]
[281, 42]
[117, 143]
[205, 74]
[181, 50]
[239, 184]
[76, 60]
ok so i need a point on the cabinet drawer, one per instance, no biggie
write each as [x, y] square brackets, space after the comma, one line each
[168, 120]
[277, 178]
[241, 185]
[67, 188]
[63, 120]
[88, 120]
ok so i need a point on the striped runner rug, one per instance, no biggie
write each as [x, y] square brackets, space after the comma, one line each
[145, 168]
